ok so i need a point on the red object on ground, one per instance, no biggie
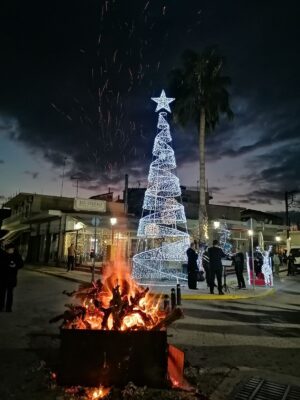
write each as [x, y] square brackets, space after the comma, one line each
[175, 365]
[259, 279]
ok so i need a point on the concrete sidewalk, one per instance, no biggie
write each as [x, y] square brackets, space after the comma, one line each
[202, 293]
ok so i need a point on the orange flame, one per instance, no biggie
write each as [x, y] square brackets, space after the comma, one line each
[118, 303]
[98, 393]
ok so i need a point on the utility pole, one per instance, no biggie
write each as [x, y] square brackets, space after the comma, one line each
[289, 201]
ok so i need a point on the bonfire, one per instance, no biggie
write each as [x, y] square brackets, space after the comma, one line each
[116, 302]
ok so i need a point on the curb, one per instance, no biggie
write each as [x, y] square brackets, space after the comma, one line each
[227, 296]
[207, 296]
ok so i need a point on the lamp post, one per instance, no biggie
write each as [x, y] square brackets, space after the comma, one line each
[113, 222]
[77, 226]
[216, 225]
[250, 233]
[278, 240]
[95, 222]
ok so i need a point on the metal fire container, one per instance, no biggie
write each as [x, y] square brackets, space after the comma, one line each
[94, 357]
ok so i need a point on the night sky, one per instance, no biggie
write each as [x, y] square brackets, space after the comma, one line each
[76, 79]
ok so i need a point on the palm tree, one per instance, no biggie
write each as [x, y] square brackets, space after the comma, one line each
[200, 90]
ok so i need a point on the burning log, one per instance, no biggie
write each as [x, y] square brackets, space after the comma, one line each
[70, 315]
[125, 309]
[175, 314]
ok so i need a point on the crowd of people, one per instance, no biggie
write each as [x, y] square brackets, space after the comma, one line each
[210, 263]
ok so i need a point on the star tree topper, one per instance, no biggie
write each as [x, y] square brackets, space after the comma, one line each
[163, 101]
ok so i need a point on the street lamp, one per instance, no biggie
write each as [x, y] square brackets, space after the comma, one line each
[113, 222]
[77, 226]
[251, 233]
[216, 224]
[278, 240]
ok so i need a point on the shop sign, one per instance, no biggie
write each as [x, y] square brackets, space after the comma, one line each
[89, 205]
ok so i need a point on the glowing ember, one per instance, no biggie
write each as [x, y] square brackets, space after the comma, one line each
[115, 303]
[99, 393]
[79, 392]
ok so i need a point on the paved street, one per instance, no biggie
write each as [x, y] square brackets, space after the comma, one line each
[224, 341]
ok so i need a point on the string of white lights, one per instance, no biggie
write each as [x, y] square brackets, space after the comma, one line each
[224, 238]
[266, 268]
[162, 229]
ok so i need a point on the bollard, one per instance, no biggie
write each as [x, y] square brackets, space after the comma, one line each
[173, 298]
[178, 294]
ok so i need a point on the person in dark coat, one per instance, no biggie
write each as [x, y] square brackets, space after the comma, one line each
[238, 262]
[192, 267]
[215, 255]
[258, 261]
[290, 263]
[205, 264]
[10, 263]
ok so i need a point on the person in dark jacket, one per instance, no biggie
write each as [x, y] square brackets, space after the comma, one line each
[192, 267]
[291, 265]
[205, 264]
[238, 262]
[258, 261]
[10, 263]
[215, 255]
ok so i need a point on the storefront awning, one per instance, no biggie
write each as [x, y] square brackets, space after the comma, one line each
[14, 233]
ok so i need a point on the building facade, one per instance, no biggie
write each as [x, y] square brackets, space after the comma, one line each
[44, 226]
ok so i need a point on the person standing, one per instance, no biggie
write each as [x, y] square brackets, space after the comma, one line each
[192, 267]
[215, 255]
[205, 264]
[290, 263]
[71, 257]
[238, 262]
[258, 261]
[10, 263]
[277, 263]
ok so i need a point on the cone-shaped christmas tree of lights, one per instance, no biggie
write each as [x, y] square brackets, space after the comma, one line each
[162, 231]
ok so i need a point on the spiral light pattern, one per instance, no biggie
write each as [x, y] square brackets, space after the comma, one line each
[162, 230]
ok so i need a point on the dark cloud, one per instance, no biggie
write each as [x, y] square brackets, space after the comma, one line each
[1, 161]
[278, 170]
[86, 76]
[77, 77]
[216, 189]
